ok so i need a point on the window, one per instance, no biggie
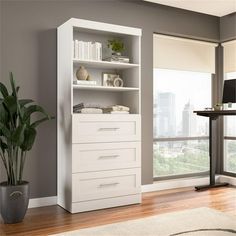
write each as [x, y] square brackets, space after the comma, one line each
[230, 136]
[229, 49]
[180, 136]
[182, 83]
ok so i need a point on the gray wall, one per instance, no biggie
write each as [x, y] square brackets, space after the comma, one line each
[228, 27]
[28, 41]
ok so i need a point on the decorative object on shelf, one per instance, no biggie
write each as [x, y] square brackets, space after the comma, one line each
[77, 108]
[87, 109]
[115, 58]
[107, 79]
[17, 136]
[85, 82]
[82, 74]
[87, 50]
[116, 109]
[116, 45]
[118, 82]
[218, 107]
[90, 110]
[112, 80]
[120, 108]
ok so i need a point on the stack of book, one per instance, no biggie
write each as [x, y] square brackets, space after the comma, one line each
[115, 58]
[87, 50]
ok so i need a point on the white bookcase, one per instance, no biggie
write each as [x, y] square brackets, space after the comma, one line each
[99, 155]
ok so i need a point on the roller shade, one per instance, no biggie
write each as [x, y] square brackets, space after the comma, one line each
[183, 54]
[229, 56]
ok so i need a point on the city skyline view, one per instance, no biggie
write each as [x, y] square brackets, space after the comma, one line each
[173, 105]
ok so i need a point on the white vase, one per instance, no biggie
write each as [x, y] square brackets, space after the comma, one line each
[82, 73]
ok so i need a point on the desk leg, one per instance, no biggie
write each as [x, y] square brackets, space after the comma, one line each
[212, 156]
[212, 153]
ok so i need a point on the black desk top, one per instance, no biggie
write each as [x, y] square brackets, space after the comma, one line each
[216, 113]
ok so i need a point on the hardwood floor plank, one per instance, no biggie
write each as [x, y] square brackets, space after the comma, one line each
[53, 219]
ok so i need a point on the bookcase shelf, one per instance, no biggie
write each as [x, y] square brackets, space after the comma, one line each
[94, 150]
[104, 64]
[104, 88]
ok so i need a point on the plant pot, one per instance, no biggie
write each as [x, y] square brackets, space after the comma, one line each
[14, 202]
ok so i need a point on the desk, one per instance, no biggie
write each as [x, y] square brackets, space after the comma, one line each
[213, 116]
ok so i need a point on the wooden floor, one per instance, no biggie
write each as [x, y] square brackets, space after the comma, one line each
[53, 219]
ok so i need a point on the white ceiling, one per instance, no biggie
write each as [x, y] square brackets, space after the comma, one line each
[211, 7]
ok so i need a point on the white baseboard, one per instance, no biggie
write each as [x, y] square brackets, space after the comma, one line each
[156, 186]
[44, 201]
[228, 179]
[176, 183]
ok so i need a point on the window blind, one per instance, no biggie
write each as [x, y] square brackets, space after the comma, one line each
[229, 56]
[183, 54]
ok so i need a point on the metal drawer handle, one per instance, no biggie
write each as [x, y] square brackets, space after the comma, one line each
[108, 185]
[108, 157]
[109, 129]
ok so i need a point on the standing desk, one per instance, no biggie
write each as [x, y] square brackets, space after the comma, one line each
[213, 116]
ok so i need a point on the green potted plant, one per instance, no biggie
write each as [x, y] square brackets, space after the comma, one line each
[17, 136]
[116, 45]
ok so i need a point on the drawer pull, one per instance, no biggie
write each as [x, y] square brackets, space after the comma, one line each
[108, 185]
[108, 157]
[108, 129]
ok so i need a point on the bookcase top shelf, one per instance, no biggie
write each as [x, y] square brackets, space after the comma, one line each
[88, 26]
[104, 64]
[104, 88]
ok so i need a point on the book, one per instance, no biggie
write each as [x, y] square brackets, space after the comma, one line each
[87, 50]
[76, 49]
[114, 58]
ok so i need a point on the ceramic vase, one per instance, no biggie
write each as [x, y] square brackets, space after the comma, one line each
[82, 73]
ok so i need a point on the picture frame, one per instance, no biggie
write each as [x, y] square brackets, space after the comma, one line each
[108, 79]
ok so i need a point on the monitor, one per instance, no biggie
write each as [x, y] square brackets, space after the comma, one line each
[229, 91]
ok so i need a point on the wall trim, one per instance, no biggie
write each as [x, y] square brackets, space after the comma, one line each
[156, 186]
[176, 183]
[44, 201]
[228, 179]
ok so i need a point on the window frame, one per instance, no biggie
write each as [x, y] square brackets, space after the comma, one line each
[224, 137]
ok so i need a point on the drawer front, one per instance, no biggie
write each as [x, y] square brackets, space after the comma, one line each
[106, 184]
[105, 128]
[105, 156]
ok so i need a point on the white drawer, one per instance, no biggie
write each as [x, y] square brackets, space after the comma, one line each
[105, 156]
[105, 128]
[105, 184]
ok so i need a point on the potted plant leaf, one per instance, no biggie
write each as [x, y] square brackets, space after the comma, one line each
[17, 136]
[117, 46]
